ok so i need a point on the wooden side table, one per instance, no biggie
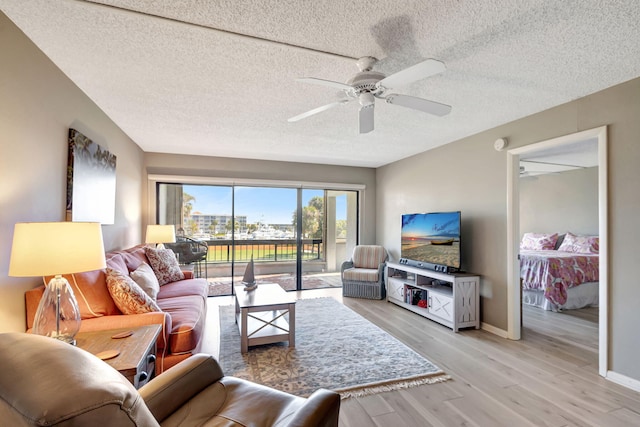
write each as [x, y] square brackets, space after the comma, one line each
[136, 358]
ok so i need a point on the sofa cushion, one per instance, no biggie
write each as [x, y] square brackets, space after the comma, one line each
[92, 295]
[187, 322]
[133, 257]
[361, 274]
[115, 261]
[128, 296]
[185, 287]
[147, 280]
[368, 256]
[164, 264]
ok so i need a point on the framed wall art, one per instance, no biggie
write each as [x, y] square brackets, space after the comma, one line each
[91, 181]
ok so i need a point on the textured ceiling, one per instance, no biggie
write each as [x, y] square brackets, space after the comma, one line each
[217, 77]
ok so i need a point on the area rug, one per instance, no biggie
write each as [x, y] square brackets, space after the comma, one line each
[336, 349]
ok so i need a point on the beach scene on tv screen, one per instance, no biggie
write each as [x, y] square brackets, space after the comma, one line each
[432, 238]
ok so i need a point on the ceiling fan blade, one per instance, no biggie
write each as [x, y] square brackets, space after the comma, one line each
[366, 118]
[421, 104]
[317, 110]
[322, 82]
[416, 72]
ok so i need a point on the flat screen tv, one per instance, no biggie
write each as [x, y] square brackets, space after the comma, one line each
[431, 240]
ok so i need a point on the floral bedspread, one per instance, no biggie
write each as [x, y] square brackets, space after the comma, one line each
[555, 272]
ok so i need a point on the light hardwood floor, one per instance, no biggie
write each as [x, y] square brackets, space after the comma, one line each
[549, 378]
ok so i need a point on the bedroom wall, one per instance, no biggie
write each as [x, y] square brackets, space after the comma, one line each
[219, 167]
[557, 203]
[38, 105]
[471, 176]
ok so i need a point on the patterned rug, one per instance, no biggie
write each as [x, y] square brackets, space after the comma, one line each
[336, 349]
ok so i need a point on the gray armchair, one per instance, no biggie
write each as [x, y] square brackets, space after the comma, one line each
[363, 274]
[47, 382]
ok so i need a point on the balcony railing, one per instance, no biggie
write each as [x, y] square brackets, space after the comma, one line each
[222, 251]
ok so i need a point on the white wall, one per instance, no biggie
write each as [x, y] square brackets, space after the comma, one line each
[557, 203]
[38, 105]
[470, 175]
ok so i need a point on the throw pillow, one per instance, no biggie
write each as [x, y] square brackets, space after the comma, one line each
[147, 280]
[128, 296]
[539, 241]
[580, 244]
[164, 264]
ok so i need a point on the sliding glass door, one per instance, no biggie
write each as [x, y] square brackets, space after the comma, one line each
[267, 234]
[312, 244]
[296, 237]
[203, 216]
[329, 234]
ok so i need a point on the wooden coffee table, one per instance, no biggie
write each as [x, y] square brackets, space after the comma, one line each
[136, 353]
[265, 315]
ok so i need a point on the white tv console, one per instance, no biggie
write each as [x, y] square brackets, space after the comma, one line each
[450, 299]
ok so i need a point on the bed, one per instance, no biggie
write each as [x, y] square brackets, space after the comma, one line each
[560, 276]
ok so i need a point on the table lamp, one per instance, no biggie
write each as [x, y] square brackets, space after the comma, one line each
[54, 249]
[160, 234]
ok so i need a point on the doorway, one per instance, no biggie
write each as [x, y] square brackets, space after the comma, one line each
[513, 232]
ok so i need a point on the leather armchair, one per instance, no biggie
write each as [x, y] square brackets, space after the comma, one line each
[47, 382]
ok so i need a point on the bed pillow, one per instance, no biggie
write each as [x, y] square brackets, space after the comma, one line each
[128, 296]
[580, 244]
[539, 241]
[164, 264]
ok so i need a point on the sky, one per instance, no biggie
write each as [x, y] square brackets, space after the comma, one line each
[433, 224]
[259, 204]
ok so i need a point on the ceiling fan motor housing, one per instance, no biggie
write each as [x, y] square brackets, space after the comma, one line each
[365, 81]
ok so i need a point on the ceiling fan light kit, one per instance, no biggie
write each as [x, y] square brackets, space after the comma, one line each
[367, 85]
[366, 99]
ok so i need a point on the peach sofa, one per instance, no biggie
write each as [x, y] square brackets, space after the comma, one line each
[183, 304]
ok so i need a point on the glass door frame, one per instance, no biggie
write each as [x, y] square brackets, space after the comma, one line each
[155, 179]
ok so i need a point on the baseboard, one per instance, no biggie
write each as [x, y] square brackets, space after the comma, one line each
[496, 331]
[623, 380]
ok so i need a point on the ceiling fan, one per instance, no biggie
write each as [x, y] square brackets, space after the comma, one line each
[367, 85]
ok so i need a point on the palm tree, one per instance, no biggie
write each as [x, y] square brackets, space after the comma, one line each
[187, 204]
[312, 221]
[192, 227]
[233, 224]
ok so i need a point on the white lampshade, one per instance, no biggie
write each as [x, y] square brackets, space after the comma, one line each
[50, 248]
[160, 234]
[54, 249]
